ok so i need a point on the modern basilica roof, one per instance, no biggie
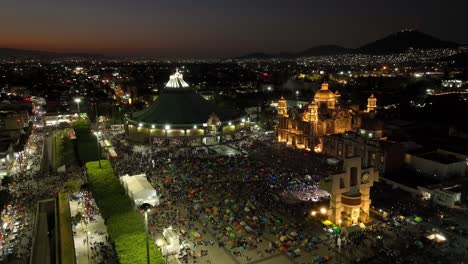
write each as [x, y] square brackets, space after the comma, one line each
[178, 104]
[176, 80]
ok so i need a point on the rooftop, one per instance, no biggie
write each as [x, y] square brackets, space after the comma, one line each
[181, 106]
[176, 81]
[439, 157]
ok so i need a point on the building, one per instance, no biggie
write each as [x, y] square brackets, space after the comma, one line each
[447, 196]
[52, 240]
[438, 163]
[7, 155]
[350, 192]
[181, 113]
[14, 120]
[384, 155]
[304, 128]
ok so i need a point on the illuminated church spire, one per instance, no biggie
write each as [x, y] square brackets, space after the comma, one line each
[282, 107]
[371, 104]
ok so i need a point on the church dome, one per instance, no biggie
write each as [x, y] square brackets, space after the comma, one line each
[324, 94]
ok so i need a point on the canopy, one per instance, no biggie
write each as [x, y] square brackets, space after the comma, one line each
[112, 153]
[140, 190]
[437, 237]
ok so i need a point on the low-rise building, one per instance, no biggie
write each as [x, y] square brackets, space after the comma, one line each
[384, 155]
[438, 163]
[444, 196]
[6, 156]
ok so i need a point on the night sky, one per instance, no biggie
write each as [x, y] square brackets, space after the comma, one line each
[218, 28]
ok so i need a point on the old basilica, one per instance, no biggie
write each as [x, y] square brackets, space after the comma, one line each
[304, 128]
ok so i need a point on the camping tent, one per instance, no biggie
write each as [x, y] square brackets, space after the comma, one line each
[140, 190]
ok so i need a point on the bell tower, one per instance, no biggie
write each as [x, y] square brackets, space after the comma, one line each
[282, 129]
[337, 97]
[311, 115]
[371, 104]
[282, 107]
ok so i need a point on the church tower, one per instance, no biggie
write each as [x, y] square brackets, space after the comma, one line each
[311, 115]
[282, 107]
[337, 97]
[282, 129]
[371, 104]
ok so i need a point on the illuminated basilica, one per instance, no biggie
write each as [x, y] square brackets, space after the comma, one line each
[304, 128]
[179, 113]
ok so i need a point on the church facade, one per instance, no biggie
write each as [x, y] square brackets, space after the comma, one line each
[304, 128]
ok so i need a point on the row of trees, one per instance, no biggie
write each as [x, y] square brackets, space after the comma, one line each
[124, 223]
[86, 143]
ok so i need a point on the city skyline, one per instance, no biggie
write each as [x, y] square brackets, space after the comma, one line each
[210, 29]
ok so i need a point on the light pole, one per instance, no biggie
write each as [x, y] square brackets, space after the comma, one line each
[78, 101]
[166, 128]
[146, 208]
[87, 235]
[97, 134]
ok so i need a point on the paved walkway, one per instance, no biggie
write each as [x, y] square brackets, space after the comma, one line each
[95, 231]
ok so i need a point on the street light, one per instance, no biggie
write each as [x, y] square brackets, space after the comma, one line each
[323, 210]
[146, 208]
[97, 134]
[166, 128]
[78, 101]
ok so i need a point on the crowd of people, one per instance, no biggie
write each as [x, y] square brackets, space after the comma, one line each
[251, 205]
[16, 216]
[26, 185]
[238, 198]
[90, 233]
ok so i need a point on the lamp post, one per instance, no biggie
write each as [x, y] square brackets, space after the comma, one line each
[97, 134]
[166, 128]
[78, 101]
[87, 236]
[146, 208]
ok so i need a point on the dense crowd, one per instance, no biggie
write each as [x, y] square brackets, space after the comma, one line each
[236, 198]
[88, 227]
[26, 186]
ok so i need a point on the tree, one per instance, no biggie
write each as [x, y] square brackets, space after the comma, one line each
[82, 128]
[125, 225]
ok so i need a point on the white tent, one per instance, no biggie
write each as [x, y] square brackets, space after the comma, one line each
[140, 190]
[171, 242]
